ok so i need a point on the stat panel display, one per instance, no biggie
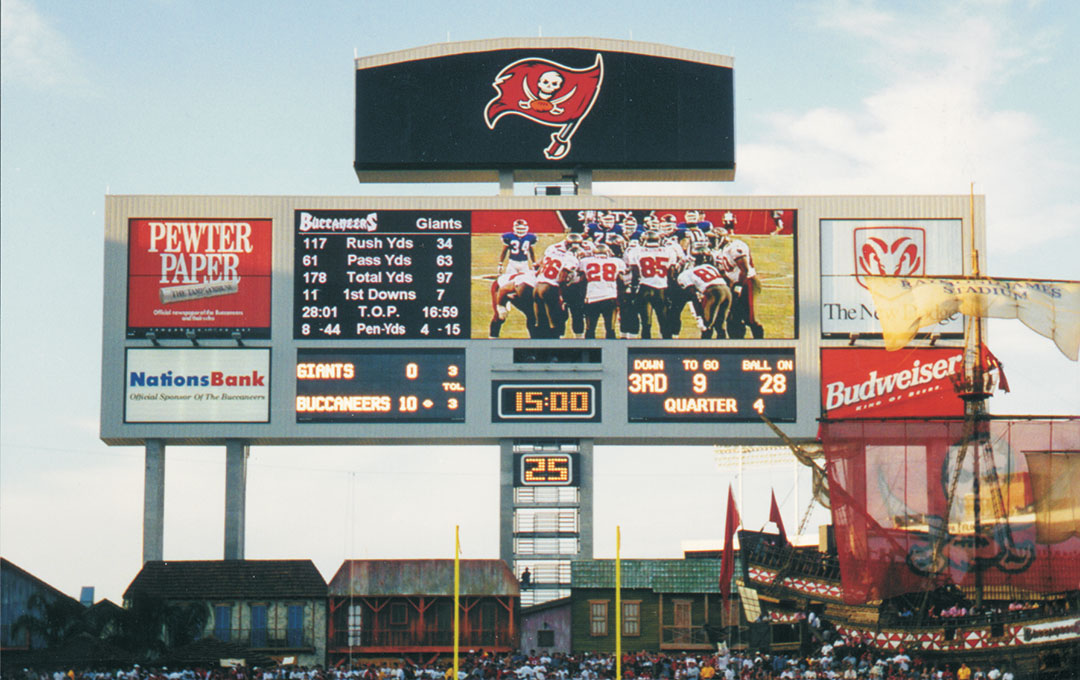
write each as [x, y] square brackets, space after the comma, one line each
[545, 469]
[380, 385]
[718, 385]
[381, 274]
[545, 402]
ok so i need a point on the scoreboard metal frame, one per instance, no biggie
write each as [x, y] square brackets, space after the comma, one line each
[606, 366]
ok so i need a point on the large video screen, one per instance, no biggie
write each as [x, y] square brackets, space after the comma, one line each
[622, 273]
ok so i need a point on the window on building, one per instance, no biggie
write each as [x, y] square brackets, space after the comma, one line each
[294, 630]
[598, 617]
[545, 638]
[399, 614]
[258, 625]
[631, 617]
[223, 622]
[681, 632]
[355, 624]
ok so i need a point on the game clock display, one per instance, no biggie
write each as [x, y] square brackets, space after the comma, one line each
[702, 385]
[545, 402]
[380, 385]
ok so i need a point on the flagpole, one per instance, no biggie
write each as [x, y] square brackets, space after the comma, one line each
[618, 603]
[457, 595]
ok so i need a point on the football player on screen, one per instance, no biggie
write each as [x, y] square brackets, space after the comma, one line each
[713, 299]
[649, 265]
[735, 262]
[513, 288]
[517, 253]
[555, 272]
[603, 272]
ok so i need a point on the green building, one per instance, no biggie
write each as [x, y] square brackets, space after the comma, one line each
[667, 605]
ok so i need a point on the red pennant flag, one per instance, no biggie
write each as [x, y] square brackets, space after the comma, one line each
[727, 564]
[991, 362]
[776, 518]
[548, 93]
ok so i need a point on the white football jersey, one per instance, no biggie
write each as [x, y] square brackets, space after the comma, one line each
[527, 277]
[727, 259]
[701, 276]
[653, 264]
[602, 275]
[553, 264]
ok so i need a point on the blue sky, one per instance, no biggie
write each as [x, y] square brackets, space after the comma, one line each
[170, 97]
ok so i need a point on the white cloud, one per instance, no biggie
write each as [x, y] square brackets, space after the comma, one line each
[32, 51]
[930, 127]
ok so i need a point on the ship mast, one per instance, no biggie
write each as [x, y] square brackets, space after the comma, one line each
[974, 390]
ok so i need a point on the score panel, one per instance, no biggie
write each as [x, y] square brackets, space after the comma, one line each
[552, 402]
[710, 385]
[380, 385]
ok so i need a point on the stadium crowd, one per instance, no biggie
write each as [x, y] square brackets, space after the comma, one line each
[840, 660]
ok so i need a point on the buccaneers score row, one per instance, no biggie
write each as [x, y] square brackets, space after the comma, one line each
[429, 385]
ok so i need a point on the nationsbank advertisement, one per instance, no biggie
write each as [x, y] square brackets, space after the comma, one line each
[853, 249]
[197, 385]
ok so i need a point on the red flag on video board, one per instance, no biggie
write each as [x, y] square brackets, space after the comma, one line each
[548, 93]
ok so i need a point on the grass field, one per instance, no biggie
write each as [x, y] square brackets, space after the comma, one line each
[773, 258]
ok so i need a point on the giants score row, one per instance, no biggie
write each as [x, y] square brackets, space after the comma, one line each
[429, 385]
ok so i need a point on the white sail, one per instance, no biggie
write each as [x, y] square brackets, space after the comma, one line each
[905, 305]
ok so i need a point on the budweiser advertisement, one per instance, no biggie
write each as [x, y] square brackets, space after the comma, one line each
[207, 276]
[873, 382]
[854, 249]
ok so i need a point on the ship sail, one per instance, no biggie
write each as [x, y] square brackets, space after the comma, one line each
[1055, 481]
[897, 538]
[907, 304]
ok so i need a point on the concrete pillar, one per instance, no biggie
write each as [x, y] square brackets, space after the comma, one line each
[506, 182]
[154, 502]
[236, 455]
[585, 491]
[506, 501]
[583, 182]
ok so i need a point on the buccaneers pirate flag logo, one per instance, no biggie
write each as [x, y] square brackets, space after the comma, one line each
[548, 93]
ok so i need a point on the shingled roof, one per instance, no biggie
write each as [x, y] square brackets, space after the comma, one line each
[661, 576]
[228, 579]
[422, 577]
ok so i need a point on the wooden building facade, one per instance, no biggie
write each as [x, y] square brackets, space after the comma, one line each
[667, 605]
[382, 608]
[274, 607]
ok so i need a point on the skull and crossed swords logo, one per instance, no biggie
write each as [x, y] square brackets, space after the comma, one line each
[548, 93]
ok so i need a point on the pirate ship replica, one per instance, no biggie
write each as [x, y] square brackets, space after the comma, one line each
[957, 539]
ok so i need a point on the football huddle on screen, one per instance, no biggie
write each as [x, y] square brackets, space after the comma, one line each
[637, 280]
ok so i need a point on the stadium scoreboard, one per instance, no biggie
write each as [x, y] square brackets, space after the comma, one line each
[347, 320]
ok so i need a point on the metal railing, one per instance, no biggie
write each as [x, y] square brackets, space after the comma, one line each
[678, 635]
[265, 638]
[388, 638]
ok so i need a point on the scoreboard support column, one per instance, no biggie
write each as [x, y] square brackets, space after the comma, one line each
[236, 455]
[154, 502]
[545, 512]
